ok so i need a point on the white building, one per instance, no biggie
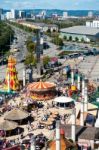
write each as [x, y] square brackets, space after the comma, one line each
[94, 23]
[22, 14]
[13, 14]
[65, 15]
[90, 14]
[8, 15]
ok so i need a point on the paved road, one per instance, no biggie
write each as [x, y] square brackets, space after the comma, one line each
[90, 68]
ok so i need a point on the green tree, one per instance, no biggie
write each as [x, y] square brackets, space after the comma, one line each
[76, 39]
[46, 60]
[65, 37]
[31, 47]
[70, 38]
[82, 40]
[58, 41]
[30, 60]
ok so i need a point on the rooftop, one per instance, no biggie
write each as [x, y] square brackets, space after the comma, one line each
[83, 30]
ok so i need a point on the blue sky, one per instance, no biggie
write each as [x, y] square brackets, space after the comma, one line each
[50, 4]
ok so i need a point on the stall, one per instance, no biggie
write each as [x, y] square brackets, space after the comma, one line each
[41, 90]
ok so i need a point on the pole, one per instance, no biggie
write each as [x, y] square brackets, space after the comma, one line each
[72, 77]
[73, 125]
[38, 53]
[83, 88]
[58, 146]
[24, 77]
[86, 100]
[82, 115]
[78, 85]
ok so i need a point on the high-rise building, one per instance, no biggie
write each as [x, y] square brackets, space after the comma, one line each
[65, 15]
[43, 14]
[1, 12]
[22, 14]
[13, 14]
[90, 14]
[8, 15]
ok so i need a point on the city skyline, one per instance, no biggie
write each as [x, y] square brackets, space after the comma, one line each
[48, 4]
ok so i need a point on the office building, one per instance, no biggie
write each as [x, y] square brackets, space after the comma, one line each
[90, 14]
[22, 14]
[65, 15]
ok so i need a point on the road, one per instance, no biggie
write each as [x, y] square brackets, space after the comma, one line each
[19, 43]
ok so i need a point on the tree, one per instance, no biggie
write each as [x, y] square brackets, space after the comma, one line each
[76, 39]
[65, 37]
[82, 40]
[30, 60]
[48, 31]
[46, 60]
[31, 47]
[58, 41]
[70, 38]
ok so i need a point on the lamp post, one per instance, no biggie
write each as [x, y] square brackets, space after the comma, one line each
[86, 96]
[72, 77]
[73, 126]
[58, 144]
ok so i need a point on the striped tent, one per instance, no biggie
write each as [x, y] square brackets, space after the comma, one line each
[41, 86]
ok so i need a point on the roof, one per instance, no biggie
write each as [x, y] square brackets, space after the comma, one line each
[63, 99]
[36, 86]
[89, 133]
[7, 125]
[82, 30]
[16, 114]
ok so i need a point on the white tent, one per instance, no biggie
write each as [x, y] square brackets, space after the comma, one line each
[63, 99]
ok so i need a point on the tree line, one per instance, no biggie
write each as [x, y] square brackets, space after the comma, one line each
[6, 36]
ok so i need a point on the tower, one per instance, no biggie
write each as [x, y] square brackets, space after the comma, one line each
[39, 50]
[11, 80]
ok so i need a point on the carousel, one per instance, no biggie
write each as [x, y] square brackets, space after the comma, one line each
[41, 90]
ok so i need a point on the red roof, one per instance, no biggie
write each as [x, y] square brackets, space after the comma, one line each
[40, 86]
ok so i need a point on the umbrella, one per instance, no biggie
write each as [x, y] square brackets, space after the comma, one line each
[8, 125]
[16, 114]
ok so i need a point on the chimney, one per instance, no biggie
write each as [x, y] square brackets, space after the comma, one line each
[58, 145]
[33, 146]
[8, 82]
[24, 77]
[83, 88]
[72, 77]
[78, 85]
[82, 115]
[73, 124]
[86, 100]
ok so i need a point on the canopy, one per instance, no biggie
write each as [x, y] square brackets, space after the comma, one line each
[63, 99]
[16, 114]
[8, 125]
[37, 86]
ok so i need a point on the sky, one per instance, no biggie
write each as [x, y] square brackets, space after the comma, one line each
[51, 4]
